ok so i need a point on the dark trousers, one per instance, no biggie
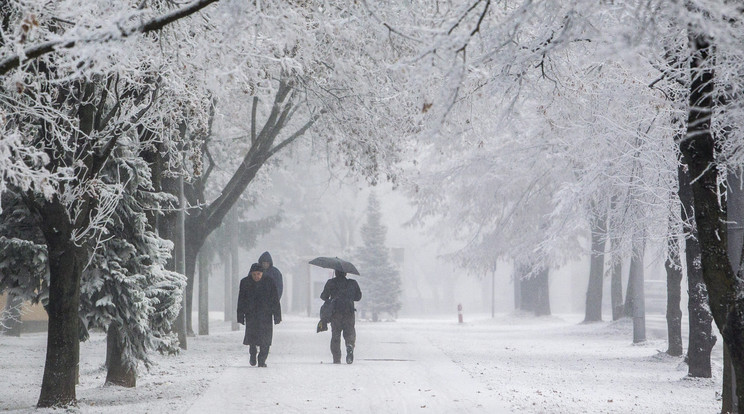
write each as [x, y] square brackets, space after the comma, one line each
[261, 354]
[342, 323]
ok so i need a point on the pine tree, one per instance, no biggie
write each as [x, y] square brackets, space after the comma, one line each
[127, 289]
[381, 280]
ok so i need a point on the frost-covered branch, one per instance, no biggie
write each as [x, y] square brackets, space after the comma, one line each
[10, 62]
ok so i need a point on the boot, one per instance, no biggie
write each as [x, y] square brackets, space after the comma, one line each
[349, 354]
[253, 360]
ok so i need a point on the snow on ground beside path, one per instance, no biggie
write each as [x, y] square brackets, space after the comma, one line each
[549, 365]
[532, 365]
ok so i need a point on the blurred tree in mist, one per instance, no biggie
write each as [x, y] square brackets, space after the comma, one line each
[381, 284]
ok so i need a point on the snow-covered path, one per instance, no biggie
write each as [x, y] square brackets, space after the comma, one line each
[520, 363]
[397, 370]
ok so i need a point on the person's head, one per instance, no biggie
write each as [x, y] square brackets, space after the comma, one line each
[265, 260]
[339, 273]
[256, 272]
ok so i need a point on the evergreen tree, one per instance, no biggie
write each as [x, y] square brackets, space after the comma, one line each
[127, 289]
[381, 280]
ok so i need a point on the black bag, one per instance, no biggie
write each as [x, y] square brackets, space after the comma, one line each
[326, 310]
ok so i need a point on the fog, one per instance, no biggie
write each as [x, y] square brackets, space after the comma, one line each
[322, 214]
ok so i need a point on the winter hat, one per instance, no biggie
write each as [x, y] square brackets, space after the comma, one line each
[256, 267]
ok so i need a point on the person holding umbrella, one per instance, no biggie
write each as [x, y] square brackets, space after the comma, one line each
[342, 292]
[258, 302]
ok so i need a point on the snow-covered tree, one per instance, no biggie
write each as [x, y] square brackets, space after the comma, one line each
[380, 280]
[89, 78]
[126, 288]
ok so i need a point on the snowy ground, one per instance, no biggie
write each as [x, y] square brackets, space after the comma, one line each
[509, 364]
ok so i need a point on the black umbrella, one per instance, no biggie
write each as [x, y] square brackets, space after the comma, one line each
[335, 263]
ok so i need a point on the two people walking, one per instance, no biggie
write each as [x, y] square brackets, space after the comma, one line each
[259, 308]
[258, 305]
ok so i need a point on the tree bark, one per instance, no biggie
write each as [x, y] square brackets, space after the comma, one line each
[180, 253]
[227, 273]
[236, 275]
[66, 262]
[735, 228]
[593, 312]
[635, 302]
[730, 404]
[699, 149]
[674, 297]
[118, 371]
[204, 267]
[542, 288]
[701, 338]
[616, 286]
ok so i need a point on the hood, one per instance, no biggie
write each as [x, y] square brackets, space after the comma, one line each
[266, 257]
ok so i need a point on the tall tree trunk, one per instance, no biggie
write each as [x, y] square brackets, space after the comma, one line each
[701, 338]
[191, 253]
[204, 268]
[735, 228]
[180, 248]
[66, 262]
[616, 283]
[527, 290]
[118, 371]
[227, 273]
[542, 288]
[635, 302]
[674, 297]
[730, 402]
[236, 275]
[593, 312]
[699, 149]
[517, 289]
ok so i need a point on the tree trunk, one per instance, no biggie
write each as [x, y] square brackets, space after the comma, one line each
[236, 275]
[63, 346]
[616, 286]
[180, 254]
[517, 290]
[635, 302]
[204, 267]
[227, 273]
[674, 298]
[735, 228]
[191, 253]
[542, 288]
[527, 291]
[730, 402]
[119, 372]
[701, 338]
[593, 311]
[699, 149]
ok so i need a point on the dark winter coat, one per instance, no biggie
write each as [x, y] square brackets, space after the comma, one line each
[272, 273]
[257, 303]
[342, 293]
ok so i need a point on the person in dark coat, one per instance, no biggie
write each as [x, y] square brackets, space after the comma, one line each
[272, 272]
[258, 302]
[342, 293]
